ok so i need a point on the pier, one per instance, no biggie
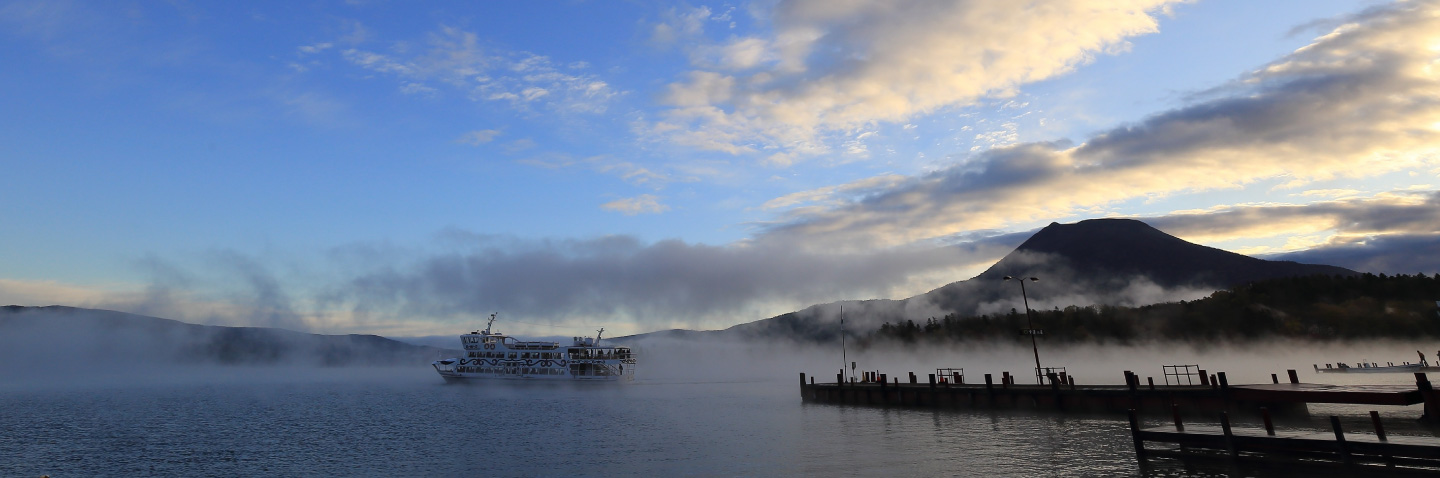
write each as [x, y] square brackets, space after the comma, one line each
[1356, 451]
[1062, 393]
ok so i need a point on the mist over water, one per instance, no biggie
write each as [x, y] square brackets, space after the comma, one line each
[696, 408]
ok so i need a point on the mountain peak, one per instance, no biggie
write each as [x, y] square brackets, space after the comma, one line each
[1119, 247]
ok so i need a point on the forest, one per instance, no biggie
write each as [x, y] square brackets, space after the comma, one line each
[1320, 307]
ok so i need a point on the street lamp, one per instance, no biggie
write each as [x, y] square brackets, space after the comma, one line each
[1032, 331]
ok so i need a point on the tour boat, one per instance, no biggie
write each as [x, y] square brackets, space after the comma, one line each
[496, 356]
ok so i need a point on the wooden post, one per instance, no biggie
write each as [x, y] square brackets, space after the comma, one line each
[1224, 384]
[1004, 379]
[1340, 440]
[1293, 378]
[1203, 381]
[1213, 383]
[1275, 378]
[1175, 412]
[1432, 399]
[1269, 426]
[1130, 381]
[840, 379]
[1379, 429]
[1229, 436]
[932, 382]
[912, 378]
[1152, 382]
[959, 379]
[1135, 435]
[812, 380]
[1055, 390]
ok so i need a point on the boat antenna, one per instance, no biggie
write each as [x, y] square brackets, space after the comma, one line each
[844, 358]
[491, 322]
[597, 335]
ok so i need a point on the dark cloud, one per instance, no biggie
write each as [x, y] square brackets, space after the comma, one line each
[1393, 254]
[1404, 212]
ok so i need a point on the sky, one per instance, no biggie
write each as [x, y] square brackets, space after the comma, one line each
[404, 169]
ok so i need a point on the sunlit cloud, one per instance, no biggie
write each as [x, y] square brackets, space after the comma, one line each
[831, 68]
[1357, 102]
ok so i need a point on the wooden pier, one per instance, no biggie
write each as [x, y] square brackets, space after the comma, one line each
[1354, 452]
[1063, 394]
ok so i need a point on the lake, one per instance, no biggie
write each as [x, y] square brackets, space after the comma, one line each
[239, 421]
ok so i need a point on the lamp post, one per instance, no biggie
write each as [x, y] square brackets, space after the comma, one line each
[1032, 331]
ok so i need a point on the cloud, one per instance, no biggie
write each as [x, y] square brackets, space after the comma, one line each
[830, 68]
[479, 137]
[622, 279]
[1395, 212]
[642, 204]
[456, 60]
[1386, 254]
[1360, 101]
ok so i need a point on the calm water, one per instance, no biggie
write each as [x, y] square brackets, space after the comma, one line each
[379, 422]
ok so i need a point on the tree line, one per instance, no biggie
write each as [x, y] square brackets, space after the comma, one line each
[1314, 307]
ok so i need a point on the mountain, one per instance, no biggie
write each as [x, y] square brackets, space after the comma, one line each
[1097, 261]
[93, 336]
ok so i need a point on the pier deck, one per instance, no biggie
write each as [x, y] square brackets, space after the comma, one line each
[1065, 395]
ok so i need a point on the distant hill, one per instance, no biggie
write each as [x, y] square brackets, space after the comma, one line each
[104, 336]
[1099, 261]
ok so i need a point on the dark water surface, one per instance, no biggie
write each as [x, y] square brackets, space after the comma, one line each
[390, 422]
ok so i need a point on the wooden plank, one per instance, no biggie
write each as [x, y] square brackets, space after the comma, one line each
[1321, 393]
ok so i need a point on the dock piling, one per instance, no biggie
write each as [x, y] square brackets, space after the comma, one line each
[1152, 382]
[932, 382]
[1379, 429]
[912, 378]
[1175, 412]
[1293, 378]
[1135, 435]
[1203, 381]
[1229, 435]
[1275, 378]
[1340, 440]
[1269, 426]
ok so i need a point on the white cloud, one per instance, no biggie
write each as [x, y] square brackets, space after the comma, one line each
[642, 204]
[455, 59]
[832, 67]
[478, 137]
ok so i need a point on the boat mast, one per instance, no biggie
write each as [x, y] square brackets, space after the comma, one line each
[597, 336]
[491, 322]
[844, 358]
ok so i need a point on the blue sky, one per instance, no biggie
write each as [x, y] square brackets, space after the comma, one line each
[404, 169]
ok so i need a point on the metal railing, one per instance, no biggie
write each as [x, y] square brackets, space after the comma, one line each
[1182, 374]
